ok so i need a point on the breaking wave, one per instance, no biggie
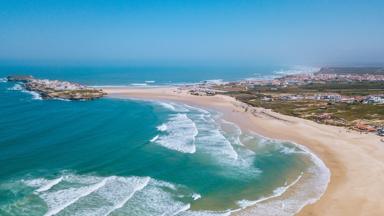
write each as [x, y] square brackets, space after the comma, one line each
[172, 106]
[95, 195]
[178, 134]
[19, 87]
[139, 84]
[16, 87]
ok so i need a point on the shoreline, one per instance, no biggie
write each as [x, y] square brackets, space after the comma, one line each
[356, 161]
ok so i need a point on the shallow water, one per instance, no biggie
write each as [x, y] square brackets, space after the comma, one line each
[127, 157]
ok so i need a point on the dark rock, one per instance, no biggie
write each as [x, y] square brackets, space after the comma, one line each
[20, 78]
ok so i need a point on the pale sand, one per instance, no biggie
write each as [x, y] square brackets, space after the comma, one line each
[356, 160]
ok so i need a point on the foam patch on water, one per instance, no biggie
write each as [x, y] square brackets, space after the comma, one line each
[234, 130]
[172, 106]
[291, 150]
[16, 87]
[154, 199]
[3, 80]
[154, 138]
[49, 184]
[162, 127]
[19, 87]
[84, 195]
[196, 196]
[35, 95]
[178, 134]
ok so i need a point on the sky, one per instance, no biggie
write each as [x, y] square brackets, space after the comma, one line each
[320, 32]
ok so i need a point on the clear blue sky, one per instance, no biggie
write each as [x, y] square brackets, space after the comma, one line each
[222, 31]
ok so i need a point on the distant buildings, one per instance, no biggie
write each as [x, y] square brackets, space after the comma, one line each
[306, 78]
[202, 92]
[374, 99]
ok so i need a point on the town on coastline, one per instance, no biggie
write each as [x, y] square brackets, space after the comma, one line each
[56, 89]
[351, 97]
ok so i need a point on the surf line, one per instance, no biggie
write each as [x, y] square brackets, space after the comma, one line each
[125, 200]
[91, 189]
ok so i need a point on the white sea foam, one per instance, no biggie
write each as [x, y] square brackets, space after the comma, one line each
[36, 183]
[178, 211]
[200, 110]
[213, 140]
[49, 184]
[168, 106]
[179, 135]
[3, 80]
[150, 81]
[140, 183]
[16, 87]
[196, 196]
[61, 99]
[154, 138]
[172, 106]
[35, 95]
[290, 150]
[162, 127]
[139, 84]
[80, 195]
[59, 200]
[234, 129]
[155, 199]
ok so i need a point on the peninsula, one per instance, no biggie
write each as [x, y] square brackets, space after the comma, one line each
[51, 89]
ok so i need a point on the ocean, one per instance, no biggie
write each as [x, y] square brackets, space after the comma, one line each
[131, 157]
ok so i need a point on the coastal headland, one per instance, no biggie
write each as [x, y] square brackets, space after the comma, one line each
[355, 159]
[51, 89]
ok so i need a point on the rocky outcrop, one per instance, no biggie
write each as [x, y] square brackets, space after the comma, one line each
[51, 89]
[20, 78]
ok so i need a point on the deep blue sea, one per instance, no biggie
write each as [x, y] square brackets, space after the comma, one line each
[132, 157]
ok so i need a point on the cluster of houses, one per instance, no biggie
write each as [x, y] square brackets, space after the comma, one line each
[331, 97]
[202, 91]
[374, 99]
[301, 79]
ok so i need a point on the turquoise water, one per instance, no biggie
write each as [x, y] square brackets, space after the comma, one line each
[153, 75]
[129, 157]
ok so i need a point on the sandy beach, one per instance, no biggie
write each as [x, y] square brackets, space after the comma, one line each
[356, 160]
